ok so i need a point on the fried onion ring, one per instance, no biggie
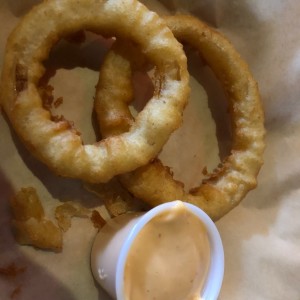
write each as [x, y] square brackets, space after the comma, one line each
[230, 182]
[57, 144]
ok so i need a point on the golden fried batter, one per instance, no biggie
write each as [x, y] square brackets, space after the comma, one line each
[230, 182]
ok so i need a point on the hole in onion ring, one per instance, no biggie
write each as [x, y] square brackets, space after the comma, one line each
[76, 56]
[210, 141]
[217, 101]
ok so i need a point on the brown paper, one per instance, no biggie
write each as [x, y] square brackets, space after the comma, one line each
[261, 236]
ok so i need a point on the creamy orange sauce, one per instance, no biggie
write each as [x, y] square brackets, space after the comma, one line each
[169, 259]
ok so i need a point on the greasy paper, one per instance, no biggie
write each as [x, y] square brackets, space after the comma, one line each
[261, 237]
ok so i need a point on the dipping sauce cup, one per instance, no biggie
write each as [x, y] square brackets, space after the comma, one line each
[115, 241]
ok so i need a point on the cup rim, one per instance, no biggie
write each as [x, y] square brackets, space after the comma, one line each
[213, 282]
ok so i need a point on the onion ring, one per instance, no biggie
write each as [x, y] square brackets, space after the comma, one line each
[57, 144]
[230, 182]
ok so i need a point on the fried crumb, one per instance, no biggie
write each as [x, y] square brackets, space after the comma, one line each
[217, 172]
[61, 118]
[42, 234]
[29, 223]
[68, 124]
[64, 213]
[117, 200]
[58, 102]
[25, 204]
[97, 219]
[204, 171]
[46, 93]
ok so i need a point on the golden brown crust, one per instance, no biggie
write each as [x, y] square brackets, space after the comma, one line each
[55, 143]
[229, 183]
[43, 234]
[67, 210]
[116, 199]
[29, 223]
[97, 219]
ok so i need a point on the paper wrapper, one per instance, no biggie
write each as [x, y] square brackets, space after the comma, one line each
[261, 236]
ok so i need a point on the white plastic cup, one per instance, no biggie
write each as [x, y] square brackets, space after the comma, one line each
[114, 240]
